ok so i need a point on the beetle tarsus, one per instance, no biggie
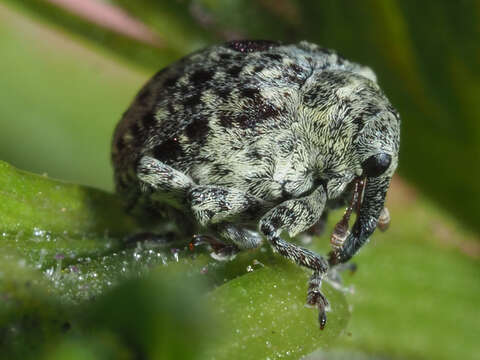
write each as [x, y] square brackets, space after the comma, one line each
[316, 298]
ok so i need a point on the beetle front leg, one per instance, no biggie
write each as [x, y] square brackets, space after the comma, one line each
[218, 209]
[212, 205]
[242, 237]
[155, 176]
[295, 216]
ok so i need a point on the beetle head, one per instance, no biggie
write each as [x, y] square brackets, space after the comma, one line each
[358, 134]
[375, 149]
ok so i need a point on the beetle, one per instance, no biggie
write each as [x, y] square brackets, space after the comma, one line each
[244, 140]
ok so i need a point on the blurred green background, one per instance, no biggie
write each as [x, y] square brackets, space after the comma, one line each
[70, 68]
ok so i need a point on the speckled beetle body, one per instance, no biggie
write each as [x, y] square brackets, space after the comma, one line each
[251, 138]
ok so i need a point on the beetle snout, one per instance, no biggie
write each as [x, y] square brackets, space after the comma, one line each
[369, 209]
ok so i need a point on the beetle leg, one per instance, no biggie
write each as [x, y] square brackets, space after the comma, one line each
[154, 175]
[214, 204]
[242, 237]
[209, 204]
[294, 216]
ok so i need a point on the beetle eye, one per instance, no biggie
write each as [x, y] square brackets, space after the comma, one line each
[376, 165]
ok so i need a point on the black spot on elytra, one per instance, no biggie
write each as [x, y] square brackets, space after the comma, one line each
[171, 81]
[358, 121]
[225, 121]
[199, 77]
[258, 68]
[254, 154]
[275, 57]
[255, 111]
[245, 121]
[246, 46]
[220, 170]
[223, 92]
[168, 150]
[192, 100]
[234, 71]
[225, 56]
[148, 120]
[198, 129]
[239, 57]
[250, 92]
[267, 110]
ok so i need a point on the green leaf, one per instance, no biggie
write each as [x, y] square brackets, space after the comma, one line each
[29, 202]
[41, 218]
[57, 258]
[265, 315]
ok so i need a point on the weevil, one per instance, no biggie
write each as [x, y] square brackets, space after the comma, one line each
[242, 141]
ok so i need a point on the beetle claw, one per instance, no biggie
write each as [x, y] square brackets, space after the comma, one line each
[317, 299]
[322, 319]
